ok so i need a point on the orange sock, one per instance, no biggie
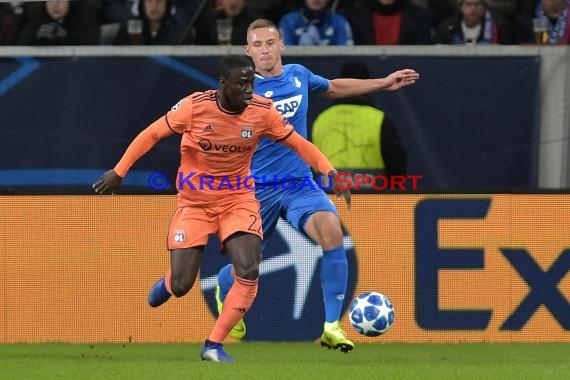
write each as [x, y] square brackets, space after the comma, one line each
[167, 279]
[237, 303]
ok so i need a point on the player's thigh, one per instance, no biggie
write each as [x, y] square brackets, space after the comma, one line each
[185, 265]
[190, 227]
[302, 203]
[240, 232]
[241, 215]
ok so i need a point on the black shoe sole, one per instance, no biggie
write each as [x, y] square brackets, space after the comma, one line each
[342, 347]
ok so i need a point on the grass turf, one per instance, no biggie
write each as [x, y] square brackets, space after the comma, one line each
[274, 361]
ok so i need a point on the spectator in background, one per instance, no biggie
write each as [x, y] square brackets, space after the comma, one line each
[154, 25]
[115, 11]
[8, 25]
[556, 16]
[439, 10]
[16, 12]
[113, 14]
[315, 24]
[191, 14]
[238, 15]
[527, 7]
[506, 8]
[274, 10]
[357, 136]
[389, 22]
[474, 24]
[61, 22]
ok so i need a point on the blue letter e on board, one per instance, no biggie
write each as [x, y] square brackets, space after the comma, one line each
[430, 259]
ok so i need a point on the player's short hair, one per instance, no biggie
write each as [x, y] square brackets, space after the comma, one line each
[262, 23]
[230, 62]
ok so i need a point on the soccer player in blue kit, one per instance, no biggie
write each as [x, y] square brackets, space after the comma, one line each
[307, 209]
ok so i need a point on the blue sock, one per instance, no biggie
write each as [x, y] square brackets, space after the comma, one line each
[225, 280]
[158, 294]
[334, 276]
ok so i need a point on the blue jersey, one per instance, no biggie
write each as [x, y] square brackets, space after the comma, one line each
[290, 94]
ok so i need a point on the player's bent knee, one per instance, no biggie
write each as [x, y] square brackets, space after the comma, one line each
[325, 229]
[180, 287]
[332, 237]
[250, 273]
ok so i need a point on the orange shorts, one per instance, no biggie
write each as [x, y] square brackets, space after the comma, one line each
[191, 225]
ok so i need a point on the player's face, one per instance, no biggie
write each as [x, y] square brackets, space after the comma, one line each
[264, 46]
[238, 88]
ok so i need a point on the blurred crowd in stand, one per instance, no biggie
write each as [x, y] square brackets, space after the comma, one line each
[302, 22]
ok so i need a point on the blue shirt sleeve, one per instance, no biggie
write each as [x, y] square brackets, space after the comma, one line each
[317, 83]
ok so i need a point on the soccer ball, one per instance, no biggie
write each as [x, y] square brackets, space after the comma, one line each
[371, 314]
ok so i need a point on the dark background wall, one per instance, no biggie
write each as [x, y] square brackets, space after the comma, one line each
[470, 122]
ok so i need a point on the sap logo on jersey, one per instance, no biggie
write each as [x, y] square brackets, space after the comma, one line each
[289, 303]
[288, 107]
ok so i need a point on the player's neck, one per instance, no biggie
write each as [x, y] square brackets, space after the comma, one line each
[225, 105]
[274, 72]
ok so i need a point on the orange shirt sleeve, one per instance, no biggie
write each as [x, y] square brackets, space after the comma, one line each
[177, 120]
[278, 128]
[179, 117]
[142, 144]
[308, 152]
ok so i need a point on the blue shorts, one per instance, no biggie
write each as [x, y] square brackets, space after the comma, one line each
[294, 201]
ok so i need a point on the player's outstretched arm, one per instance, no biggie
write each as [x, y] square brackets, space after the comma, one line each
[112, 179]
[346, 87]
[314, 157]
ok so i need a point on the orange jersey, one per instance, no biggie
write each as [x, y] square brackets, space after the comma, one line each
[217, 146]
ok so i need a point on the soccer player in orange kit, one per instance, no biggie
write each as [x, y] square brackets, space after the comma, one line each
[216, 194]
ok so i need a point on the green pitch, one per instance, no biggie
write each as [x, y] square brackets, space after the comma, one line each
[274, 361]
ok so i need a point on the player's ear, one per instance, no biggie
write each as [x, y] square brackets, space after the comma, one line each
[247, 52]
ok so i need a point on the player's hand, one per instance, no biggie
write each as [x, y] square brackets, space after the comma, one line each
[401, 78]
[338, 189]
[109, 183]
